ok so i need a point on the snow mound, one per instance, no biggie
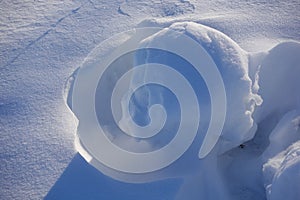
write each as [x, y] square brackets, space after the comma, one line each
[251, 99]
[282, 174]
[42, 42]
[282, 159]
[232, 63]
[240, 101]
[284, 134]
[278, 80]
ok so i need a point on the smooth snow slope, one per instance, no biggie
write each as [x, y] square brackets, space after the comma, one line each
[42, 43]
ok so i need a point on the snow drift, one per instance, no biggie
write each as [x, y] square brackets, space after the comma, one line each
[43, 42]
[251, 82]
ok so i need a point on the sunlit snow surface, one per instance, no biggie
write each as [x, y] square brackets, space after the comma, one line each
[258, 57]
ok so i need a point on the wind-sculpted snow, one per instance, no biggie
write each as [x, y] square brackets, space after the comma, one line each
[158, 97]
[197, 112]
[281, 173]
[128, 107]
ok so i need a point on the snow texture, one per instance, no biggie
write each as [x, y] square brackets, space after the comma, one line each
[43, 42]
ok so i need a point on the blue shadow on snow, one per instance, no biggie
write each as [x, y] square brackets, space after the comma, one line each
[82, 181]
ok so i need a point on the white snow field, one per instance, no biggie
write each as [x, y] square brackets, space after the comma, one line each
[255, 46]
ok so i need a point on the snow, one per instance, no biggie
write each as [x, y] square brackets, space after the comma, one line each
[281, 158]
[281, 174]
[255, 45]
